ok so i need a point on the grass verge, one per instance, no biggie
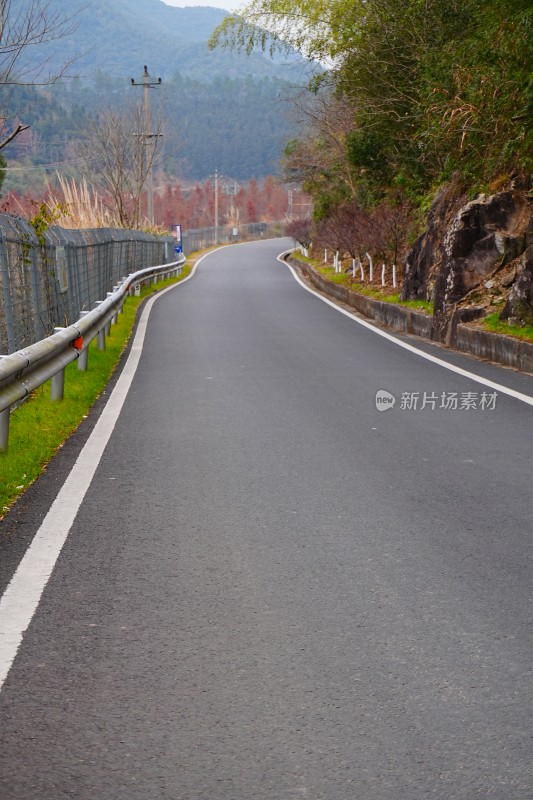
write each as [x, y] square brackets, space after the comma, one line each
[493, 323]
[39, 427]
[368, 290]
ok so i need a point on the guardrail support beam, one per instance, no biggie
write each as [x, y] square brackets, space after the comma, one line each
[4, 430]
[58, 380]
[83, 359]
[58, 386]
[30, 368]
[113, 320]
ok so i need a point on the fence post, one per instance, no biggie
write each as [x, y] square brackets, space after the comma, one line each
[383, 275]
[394, 276]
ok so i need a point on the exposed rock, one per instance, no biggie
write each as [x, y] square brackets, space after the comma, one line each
[509, 279]
[519, 304]
[424, 258]
[462, 315]
[464, 248]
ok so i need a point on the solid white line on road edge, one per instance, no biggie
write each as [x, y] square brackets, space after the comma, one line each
[525, 398]
[21, 597]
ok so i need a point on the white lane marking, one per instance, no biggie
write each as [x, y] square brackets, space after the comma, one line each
[525, 398]
[22, 595]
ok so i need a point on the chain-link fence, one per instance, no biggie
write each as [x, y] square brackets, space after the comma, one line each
[47, 280]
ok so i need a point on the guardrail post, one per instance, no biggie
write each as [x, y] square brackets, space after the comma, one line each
[114, 318]
[58, 386]
[100, 336]
[83, 358]
[4, 429]
[58, 381]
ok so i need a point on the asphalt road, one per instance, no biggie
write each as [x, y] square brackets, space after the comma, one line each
[274, 590]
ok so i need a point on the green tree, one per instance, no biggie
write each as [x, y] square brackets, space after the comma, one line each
[434, 86]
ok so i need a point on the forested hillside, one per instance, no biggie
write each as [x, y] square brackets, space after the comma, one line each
[219, 111]
[417, 144]
[423, 90]
[119, 36]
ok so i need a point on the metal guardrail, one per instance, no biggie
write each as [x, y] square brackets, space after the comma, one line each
[47, 280]
[25, 370]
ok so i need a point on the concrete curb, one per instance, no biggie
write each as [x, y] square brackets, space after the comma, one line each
[399, 318]
[495, 347]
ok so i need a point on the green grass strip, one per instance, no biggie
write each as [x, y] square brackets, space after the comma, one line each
[492, 322]
[369, 290]
[39, 427]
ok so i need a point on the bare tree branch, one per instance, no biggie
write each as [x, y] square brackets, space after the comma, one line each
[119, 156]
[13, 134]
[25, 24]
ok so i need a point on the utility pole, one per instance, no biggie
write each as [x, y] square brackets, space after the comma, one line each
[147, 84]
[216, 205]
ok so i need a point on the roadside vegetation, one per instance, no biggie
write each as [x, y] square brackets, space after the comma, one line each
[493, 323]
[375, 291]
[418, 99]
[39, 427]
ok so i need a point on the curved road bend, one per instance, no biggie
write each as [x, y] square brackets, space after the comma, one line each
[273, 590]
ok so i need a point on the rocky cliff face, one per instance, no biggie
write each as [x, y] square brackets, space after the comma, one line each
[474, 255]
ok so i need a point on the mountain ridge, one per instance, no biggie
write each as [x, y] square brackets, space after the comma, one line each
[120, 36]
[221, 110]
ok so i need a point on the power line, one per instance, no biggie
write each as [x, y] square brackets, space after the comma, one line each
[44, 166]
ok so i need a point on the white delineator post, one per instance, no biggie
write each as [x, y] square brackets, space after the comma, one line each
[370, 268]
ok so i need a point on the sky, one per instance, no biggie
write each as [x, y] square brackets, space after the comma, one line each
[229, 5]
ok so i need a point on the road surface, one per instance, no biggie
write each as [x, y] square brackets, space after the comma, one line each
[271, 588]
